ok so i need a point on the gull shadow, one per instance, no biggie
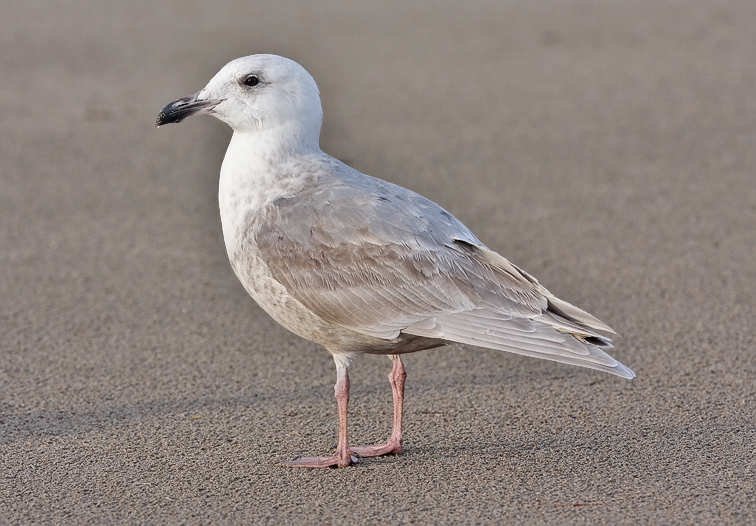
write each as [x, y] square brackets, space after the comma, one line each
[30, 425]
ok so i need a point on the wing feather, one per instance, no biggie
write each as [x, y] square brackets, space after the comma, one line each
[381, 260]
[475, 328]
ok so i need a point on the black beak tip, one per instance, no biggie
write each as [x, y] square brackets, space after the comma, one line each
[162, 118]
[169, 115]
[180, 109]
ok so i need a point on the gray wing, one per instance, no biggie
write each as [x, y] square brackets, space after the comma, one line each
[381, 260]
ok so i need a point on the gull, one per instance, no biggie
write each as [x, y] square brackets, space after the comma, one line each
[357, 264]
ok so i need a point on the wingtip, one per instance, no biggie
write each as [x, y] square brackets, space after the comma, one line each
[576, 314]
[623, 371]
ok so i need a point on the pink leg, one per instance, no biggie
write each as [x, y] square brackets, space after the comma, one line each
[343, 456]
[394, 445]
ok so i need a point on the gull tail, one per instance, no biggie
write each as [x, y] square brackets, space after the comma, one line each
[551, 337]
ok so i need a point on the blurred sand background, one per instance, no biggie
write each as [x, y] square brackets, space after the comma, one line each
[608, 148]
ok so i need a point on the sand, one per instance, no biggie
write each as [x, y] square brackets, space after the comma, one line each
[140, 384]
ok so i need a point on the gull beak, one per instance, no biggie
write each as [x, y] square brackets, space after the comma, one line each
[180, 109]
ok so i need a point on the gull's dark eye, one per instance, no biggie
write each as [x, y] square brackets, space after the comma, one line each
[251, 81]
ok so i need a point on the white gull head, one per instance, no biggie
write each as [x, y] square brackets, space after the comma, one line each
[258, 93]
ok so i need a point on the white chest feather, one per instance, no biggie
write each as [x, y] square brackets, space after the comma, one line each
[246, 185]
[249, 182]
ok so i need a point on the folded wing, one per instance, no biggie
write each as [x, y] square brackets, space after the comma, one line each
[381, 260]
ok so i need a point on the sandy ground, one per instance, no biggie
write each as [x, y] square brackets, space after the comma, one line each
[609, 148]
